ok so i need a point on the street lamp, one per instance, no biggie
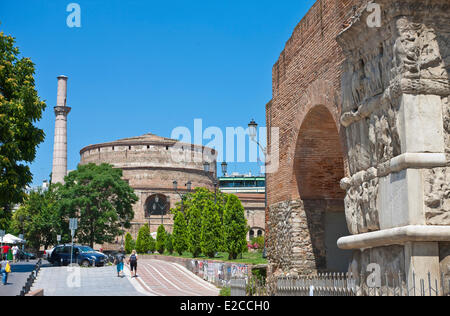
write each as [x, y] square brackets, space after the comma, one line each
[123, 230]
[253, 130]
[252, 127]
[224, 168]
[182, 196]
[207, 169]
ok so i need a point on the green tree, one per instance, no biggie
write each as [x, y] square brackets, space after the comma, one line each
[151, 244]
[100, 199]
[211, 230]
[38, 219]
[235, 227]
[169, 243]
[20, 109]
[179, 234]
[194, 231]
[161, 239]
[130, 244]
[143, 241]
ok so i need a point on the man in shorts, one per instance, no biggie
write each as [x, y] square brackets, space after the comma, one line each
[120, 257]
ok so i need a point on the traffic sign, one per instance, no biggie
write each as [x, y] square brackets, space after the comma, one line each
[2, 233]
[73, 223]
[58, 238]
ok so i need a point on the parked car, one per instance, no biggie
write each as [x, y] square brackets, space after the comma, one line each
[82, 255]
[23, 255]
[48, 253]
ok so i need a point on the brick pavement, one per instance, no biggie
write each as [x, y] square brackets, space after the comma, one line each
[163, 278]
[155, 278]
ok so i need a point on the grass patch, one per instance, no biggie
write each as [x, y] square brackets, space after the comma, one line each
[246, 258]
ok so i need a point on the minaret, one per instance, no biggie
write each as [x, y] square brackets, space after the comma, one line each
[59, 170]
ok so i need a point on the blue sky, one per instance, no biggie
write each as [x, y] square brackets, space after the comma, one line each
[136, 67]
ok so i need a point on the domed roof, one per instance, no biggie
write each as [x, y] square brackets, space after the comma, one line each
[146, 138]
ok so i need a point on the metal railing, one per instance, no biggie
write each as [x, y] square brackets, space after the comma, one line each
[340, 284]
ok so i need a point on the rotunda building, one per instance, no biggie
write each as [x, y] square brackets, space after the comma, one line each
[160, 170]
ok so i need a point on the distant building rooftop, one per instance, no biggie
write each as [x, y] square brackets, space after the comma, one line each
[238, 183]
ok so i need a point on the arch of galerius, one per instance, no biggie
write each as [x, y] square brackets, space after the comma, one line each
[364, 123]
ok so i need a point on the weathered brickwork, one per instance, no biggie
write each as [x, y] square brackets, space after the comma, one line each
[306, 108]
[150, 164]
[367, 107]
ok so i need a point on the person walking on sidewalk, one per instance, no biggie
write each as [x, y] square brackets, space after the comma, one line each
[132, 261]
[15, 252]
[5, 268]
[120, 257]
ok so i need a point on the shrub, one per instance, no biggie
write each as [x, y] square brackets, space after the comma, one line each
[130, 244]
[225, 291]
[211, 231]
[169, 244]
[179, 238]
[144, 240]
[161, 239]
[235, 227]
[194, 231]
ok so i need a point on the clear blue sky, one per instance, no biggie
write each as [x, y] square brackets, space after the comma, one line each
[136, 67]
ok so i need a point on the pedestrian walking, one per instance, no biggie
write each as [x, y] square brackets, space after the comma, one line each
[5, 251]
[132, 261]
[5, 269]
[15, 252]
[119, 260]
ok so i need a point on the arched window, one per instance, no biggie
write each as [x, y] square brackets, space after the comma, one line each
[260, 232]
[252, 233]
[157, 204]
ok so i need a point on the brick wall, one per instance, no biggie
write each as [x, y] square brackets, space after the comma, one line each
[307, 74]
[306, 107]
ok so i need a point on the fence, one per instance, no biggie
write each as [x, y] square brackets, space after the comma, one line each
[33, 275]
[346, 285]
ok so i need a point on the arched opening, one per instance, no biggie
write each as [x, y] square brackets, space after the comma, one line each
[156, 205]
[318, 169]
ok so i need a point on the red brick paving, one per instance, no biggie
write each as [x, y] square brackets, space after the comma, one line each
[170, 279]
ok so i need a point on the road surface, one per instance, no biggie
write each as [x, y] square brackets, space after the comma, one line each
[155, 278]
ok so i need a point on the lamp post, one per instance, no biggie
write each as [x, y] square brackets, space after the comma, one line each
[123, 231]
[207, 168]
[253, 132]
[188, 186]
[224, 168]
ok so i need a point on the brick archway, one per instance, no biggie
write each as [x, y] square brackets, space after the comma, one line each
[317, 167]
[319, 101]
[318, 158]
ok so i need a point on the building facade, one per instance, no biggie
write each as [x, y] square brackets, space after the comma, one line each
[151, 164]
[251, 191]
[361, 102]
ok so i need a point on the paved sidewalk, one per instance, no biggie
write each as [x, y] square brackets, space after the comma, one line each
[161, 278]
[17, 278]
[65, 281]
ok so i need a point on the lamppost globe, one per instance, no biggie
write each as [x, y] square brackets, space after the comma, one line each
[224, 168]
[175, 185]
[189, 186]
[206, 166]
[252, 128]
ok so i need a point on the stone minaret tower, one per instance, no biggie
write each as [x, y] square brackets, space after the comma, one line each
[59, 170]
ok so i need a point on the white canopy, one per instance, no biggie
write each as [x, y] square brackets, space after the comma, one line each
[10, 239]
